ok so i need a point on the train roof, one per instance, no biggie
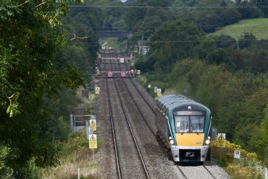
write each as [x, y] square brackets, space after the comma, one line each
[171, 101]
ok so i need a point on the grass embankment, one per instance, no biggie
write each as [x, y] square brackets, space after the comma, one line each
[75, 152]
[258, 27]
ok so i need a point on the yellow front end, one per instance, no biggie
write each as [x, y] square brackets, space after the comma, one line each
[190, 139]
[190, 147]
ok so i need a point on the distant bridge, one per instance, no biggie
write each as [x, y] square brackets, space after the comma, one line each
[114, 34]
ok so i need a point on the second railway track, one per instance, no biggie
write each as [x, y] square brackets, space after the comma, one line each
[128, 151]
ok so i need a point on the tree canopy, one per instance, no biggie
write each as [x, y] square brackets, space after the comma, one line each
[174, 40]
[30, 37]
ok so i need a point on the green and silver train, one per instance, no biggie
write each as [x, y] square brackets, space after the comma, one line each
[184, 126]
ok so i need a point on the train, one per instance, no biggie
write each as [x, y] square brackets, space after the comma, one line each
[184, 127]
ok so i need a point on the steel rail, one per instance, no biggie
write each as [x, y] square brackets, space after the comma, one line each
[133, 136]
[118, 168]
[209, 172]
[141, 113]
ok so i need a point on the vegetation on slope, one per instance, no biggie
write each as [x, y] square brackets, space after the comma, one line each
[257, 27]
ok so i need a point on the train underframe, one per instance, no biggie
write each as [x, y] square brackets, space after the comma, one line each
[190, 154]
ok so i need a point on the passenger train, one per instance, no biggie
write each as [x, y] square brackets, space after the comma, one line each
[184, 126]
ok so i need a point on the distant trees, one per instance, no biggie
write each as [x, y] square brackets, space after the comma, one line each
[173, 41]
[82, 44]
[145, 64]
[247, 9]
[225, 41]
[176, 40]
[210, 15]
[262, 5]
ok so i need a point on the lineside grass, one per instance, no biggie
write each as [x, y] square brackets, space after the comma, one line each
[247, 166]
[75, 152]
[258, 27]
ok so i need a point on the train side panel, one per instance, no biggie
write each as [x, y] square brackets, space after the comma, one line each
[162, 127]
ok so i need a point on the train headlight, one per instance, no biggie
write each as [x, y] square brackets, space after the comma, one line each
[207, 142]
[171, 142]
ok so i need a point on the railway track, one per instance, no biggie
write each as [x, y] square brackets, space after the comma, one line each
[131, 115]
[146, 111]
[118, 168]
[122, 131]
[114, 63]
[125, 101]
[190, 171]
[134, 92]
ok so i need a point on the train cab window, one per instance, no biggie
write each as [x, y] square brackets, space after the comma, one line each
[182, 123]
[197, 123]
[189, 121]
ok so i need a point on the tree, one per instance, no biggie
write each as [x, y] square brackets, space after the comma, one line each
[225, 41]
[145, 64]
[262, 4]
[247, 40]
[218, 57]
[133, 15]
[31, 35]
[173, 41]
[248, 9]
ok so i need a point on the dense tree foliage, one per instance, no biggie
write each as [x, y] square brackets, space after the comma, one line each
[210, 15]
[262, 5]
[81, 25]
[173, 41]
[31, 75]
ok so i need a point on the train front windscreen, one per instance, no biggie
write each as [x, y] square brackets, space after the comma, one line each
[189, 121]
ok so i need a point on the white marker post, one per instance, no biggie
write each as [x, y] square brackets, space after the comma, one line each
[237, 154]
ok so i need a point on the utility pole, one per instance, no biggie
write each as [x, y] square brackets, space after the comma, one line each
[237, 44]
